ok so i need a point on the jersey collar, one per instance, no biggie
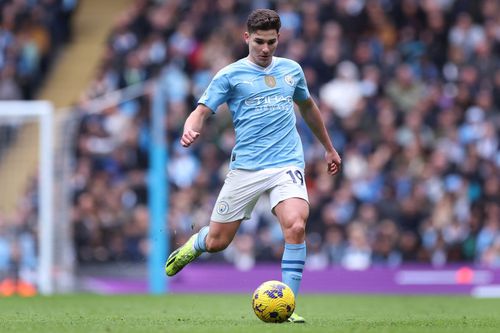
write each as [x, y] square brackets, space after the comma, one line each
[263, 69]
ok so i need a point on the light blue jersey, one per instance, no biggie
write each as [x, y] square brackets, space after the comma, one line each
[261, 103]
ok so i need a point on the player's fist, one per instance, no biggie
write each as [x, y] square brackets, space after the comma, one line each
[188, 137]
[333, 161]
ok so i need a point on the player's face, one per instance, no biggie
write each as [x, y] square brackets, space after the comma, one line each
[261, 46]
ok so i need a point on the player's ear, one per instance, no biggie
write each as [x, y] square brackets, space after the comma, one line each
[246, 35]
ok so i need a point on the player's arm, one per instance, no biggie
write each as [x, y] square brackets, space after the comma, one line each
[194, 124]
[312, 116]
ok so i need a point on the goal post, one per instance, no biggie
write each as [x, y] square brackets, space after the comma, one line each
[51, 156]
[41, 112]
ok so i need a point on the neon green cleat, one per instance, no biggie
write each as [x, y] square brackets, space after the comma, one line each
[181, 257]
[295, 318]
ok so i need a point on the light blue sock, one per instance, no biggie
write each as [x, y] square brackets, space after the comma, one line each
[199, 243]
[292, 265]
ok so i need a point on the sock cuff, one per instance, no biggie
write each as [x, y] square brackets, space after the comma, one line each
[199, 244]
[295, 246]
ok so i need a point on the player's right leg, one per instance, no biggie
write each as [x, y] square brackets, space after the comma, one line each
[292, 214]
[209, 239]
[290, 204]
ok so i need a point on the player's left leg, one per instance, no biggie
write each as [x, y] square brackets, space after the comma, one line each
[292, 214]
[209, 239]
[216, 237]
[182, 256]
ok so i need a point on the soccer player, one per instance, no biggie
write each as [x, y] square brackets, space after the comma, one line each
[260, 91]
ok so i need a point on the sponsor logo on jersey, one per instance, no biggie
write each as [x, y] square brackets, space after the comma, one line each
[267, 100]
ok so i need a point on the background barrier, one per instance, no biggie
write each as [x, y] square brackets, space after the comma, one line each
[407, 279]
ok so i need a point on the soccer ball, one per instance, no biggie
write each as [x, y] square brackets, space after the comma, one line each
[273, 302]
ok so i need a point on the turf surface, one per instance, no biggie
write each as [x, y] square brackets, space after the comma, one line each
[233, 313]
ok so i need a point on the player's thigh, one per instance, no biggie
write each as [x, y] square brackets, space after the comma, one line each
[292, 212]
[290, 203]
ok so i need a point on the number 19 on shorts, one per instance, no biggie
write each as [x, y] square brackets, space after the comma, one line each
[296, 176]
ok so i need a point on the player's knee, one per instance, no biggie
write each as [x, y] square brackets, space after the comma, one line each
[295, 222]
[297, 230]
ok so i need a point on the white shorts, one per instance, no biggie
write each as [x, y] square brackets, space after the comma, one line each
[242, 189]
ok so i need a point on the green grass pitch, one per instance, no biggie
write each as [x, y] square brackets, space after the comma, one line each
[233, 313]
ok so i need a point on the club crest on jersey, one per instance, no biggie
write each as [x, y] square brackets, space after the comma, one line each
[222, 207]
[289, 80]
[270, 81]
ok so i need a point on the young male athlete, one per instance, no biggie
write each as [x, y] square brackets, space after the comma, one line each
[260, 91]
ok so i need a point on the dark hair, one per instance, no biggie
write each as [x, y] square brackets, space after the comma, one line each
[263, 19]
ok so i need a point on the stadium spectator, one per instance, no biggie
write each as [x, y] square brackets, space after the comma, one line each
[29, 41]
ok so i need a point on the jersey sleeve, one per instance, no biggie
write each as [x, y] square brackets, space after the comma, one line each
[301, 92]
[216, 93]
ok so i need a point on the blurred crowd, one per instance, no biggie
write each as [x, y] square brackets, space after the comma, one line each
[409, 91]
[32, 32]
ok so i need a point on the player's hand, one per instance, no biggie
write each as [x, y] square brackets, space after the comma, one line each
[333, 161]
[188, 137]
